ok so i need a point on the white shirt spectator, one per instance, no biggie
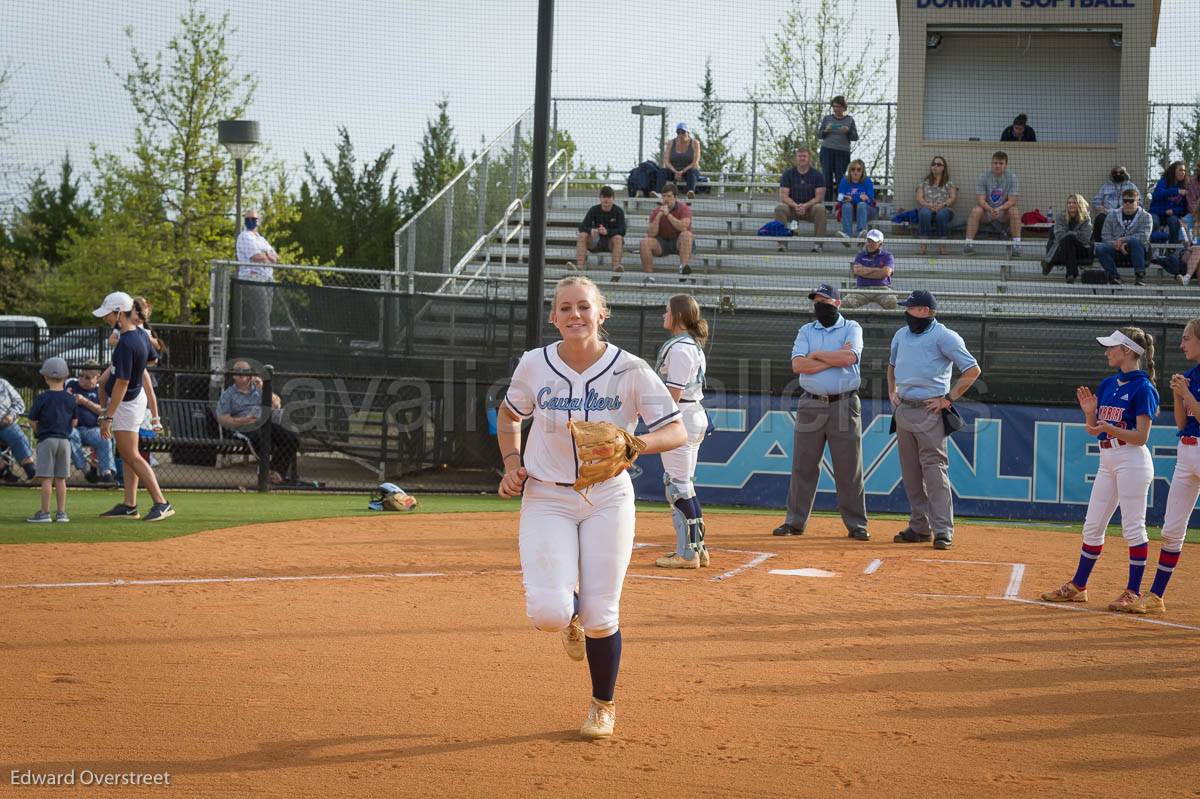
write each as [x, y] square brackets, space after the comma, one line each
[249, 244]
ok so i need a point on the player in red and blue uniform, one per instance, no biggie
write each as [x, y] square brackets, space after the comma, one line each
[1119, 414]
[1185, 483]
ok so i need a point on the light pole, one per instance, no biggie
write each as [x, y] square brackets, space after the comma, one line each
[641, 111]
[239, 137]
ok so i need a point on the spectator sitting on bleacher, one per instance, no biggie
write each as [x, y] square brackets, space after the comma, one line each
[837, 131]
[1019, 130]
[802, 195]
[1128, 234]
[239, 410]
[996, 195]
[1168, 203]
[856, 193]
[86, 433]
[669, 233]
[872, 268]
[935, 203]
[11, 434]
[1193, 196]
[681, 161]
[602, 230]
[1189, 262]
[1070, 242]
[1108, 199]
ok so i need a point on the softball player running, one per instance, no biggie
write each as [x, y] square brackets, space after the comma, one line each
[1185, 483]
[681, 366]
[1119, 414]
[568, 539]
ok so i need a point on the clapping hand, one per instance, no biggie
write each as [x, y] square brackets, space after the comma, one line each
[1087, 400]
[1180, 386]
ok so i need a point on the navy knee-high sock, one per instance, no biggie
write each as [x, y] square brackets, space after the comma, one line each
[604, 660]
[575, 601]
[1087, 559]
[1137, 567]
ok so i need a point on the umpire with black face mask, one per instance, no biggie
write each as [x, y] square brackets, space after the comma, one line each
[923, 354]
[826, 356]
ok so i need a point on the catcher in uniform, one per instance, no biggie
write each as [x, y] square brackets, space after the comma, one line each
[584, 395]
[681, 364]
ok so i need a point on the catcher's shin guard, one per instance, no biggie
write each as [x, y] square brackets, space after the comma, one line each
[696, 534]
[682, 497]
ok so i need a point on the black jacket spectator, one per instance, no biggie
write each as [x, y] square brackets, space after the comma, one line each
[613, 220]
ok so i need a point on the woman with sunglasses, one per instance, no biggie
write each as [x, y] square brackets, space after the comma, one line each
[856, 193]
[935, 203]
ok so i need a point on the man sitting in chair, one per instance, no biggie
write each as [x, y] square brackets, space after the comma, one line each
[239, 410]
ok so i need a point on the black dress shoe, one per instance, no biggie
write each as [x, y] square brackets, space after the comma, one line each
[859, 535]
[787, 529]
[910, 536]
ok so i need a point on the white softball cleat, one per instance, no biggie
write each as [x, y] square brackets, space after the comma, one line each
[601, 718]
[574, 640]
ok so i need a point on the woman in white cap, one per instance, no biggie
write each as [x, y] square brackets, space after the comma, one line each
[1119, 414]
[127, 407]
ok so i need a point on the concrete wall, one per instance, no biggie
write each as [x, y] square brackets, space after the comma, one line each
[1048, 169]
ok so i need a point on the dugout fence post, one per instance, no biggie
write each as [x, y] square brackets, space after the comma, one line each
[264, 447]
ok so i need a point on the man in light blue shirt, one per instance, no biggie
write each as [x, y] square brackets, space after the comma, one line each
[923, 354]
[826, 356]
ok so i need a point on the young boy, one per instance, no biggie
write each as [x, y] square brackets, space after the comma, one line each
[52, 415]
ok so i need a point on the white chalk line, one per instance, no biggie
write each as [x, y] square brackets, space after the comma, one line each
[873, 566]
[119, 582]
[758, 559]
[653, 577]
[1130, 616]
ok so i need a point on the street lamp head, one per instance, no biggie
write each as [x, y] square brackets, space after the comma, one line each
[238, 136]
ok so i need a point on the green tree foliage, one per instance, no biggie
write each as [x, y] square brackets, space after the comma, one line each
[347, 215]
[716, 155]
[440, 160]
[807, 61]
[51, 216]
[163, 210]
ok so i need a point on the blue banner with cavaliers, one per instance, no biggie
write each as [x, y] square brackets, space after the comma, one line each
[1009, 461]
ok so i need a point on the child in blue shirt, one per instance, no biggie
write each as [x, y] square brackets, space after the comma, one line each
[52, 416]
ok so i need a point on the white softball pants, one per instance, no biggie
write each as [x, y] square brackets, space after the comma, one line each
[680, 463]
[1181, 500]
[1123, 479]
[566, 542]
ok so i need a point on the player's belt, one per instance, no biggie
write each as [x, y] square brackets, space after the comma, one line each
[1190, 441]
[683, 401]
[1109, 443]
[551, 482]
[829, 397]
[916, 403]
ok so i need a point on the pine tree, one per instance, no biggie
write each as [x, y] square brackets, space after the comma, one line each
[51, 216]
[439, 162]
[716, 156]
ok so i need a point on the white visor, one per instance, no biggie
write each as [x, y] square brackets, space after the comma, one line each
[1119, 339]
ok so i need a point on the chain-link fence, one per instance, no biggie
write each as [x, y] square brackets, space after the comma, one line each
[1174, 135]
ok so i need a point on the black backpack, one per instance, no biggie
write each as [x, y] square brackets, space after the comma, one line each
[643, 178]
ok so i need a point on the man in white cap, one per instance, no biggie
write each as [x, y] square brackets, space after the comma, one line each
[872, 269]
[258, 258]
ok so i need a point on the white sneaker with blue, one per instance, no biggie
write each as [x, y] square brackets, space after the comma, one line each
[62, 516]
[41, 517]
[159, 511]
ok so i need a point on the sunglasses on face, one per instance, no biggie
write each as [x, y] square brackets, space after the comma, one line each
[937, 163]
[1129, 201]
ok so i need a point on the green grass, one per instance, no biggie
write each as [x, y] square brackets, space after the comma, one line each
[199, 510]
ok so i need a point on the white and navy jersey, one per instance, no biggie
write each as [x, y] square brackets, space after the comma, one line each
[681, 365]
[1123, 397]
[617, 388]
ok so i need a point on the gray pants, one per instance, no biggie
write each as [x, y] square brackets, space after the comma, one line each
[840, 425]
[256, 312]
[924, 466]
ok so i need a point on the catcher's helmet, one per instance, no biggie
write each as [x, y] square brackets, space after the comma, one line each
[390, 496]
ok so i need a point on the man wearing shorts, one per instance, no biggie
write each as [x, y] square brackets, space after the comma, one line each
[669, 233]
[996, 194]
[602, 230]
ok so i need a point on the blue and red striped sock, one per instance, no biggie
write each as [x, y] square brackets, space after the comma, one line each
[1137, 566]
[1087, 560]
[1167, 561]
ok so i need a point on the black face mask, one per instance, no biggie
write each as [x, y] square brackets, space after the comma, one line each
[1119, 177]
[827, 315]
[917, 324]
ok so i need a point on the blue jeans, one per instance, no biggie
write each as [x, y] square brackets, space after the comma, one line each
[90, 437]
[854, 215]
[1173, 226]
[834, 164]
[927, 219]
[689, 179]
[1107, 255]
[14, 437]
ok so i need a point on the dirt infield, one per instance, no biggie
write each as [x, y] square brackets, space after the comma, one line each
[916, 679]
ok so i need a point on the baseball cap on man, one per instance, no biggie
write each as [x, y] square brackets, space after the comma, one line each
[55, 367]
[875, 235]
[1119, 339]
[116, 302]
[827, 291]
[920, 298]
[683, 126]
